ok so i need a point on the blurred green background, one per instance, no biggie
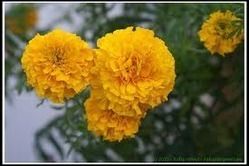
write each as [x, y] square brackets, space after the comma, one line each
[204, 116]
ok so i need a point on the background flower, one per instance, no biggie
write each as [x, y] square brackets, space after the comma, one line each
[21, 18]
[220, 33]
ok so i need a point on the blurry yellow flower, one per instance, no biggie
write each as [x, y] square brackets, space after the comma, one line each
[21, 18]
[216, 33]
[105, 122]
[57, 65]
[135, 68]
[31, 18]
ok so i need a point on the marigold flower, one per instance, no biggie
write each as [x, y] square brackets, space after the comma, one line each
[216, 33]
[57, 65]
[21, 18]
[134, 68]
[105, 122]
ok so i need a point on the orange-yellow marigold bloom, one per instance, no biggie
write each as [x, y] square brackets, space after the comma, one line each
[134, 68]
[57, 65]
[216, 33]
[105, 122]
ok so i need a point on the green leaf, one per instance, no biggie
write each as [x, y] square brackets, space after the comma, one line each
[56, 145]
[41, 102]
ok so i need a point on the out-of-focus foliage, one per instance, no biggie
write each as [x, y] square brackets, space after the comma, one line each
[20, 23]
[204, 115]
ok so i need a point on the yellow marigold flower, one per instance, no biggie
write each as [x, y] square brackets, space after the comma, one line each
[134, 68]
[31, 18]
[105, 122]
[216, 33]
[57, 65]
[21, 18]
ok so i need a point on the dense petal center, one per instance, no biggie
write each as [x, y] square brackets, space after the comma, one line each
[133, 69]
[224, 28]
[57, 55]
[130, 70]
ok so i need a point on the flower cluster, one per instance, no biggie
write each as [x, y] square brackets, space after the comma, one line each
[218, 33]
[130, 72]
[136, 71]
